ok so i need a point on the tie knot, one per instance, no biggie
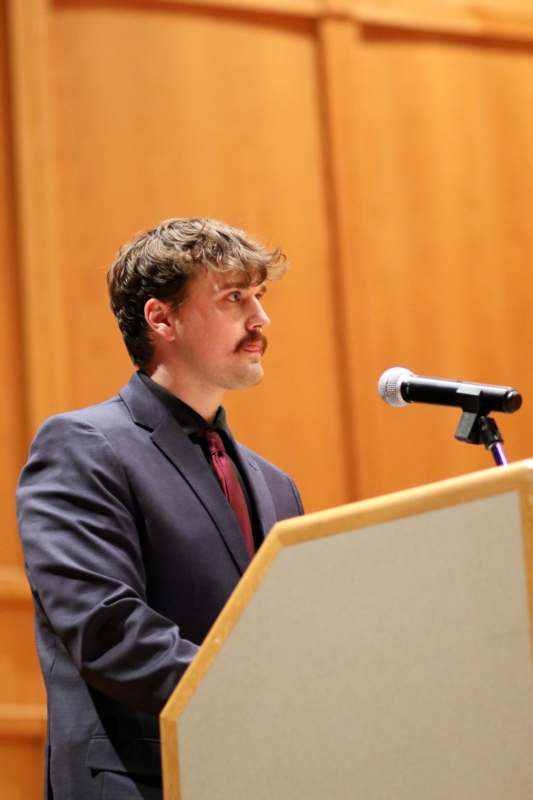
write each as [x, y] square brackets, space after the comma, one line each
[214, 442]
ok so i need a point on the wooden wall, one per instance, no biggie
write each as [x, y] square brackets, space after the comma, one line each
[387, 145]
[21, 692]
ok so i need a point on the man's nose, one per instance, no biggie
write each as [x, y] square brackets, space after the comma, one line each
[259, 318]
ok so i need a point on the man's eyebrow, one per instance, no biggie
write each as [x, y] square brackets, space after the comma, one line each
[241, 284]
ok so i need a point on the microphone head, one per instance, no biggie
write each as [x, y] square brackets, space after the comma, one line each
[390, 385]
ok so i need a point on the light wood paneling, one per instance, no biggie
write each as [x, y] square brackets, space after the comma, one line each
[335, 37]
[21, 682]
[42, 317]
[12, 397]
[21, 739]
[21, 768]
[441, 173]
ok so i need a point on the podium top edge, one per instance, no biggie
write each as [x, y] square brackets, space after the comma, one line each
[407, 502]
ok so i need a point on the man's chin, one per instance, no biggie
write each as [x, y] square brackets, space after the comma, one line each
[249, 377]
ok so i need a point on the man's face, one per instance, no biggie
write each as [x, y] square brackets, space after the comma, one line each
[218, 332]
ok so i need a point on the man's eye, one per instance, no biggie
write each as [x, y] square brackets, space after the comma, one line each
[234, 297]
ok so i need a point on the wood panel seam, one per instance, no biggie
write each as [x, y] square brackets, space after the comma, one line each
[482, 19]
[14, 586]
[22, 721]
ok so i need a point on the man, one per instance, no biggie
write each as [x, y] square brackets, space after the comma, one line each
[139, 515]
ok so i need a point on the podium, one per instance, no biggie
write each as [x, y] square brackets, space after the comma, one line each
[376, 651]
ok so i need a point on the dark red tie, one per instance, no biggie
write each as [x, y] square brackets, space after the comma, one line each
[231, 486]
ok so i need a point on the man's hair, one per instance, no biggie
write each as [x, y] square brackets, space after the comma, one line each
[163, 261]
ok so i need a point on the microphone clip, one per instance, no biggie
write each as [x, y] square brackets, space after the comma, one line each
[476, 428]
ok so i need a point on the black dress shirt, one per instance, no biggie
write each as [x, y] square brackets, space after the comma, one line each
[193, 424]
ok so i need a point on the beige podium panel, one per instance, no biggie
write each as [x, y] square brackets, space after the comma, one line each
[375, 651]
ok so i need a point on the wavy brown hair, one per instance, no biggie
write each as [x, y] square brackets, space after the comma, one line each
[162, 261]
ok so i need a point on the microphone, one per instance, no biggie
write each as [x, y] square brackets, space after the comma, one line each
[399, 386]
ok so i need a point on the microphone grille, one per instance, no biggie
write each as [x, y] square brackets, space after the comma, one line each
[390, 384]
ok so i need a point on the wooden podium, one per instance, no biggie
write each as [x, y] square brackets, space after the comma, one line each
[377, 651]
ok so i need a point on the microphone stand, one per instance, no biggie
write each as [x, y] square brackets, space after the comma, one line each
[476, 428]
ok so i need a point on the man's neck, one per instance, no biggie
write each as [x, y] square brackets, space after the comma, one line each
[204, 401]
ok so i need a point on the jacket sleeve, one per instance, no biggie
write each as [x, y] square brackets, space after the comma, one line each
[84, 562]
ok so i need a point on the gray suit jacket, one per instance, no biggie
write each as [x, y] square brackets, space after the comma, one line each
[131, 551]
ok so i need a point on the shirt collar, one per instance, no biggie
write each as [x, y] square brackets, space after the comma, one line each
[188, 418]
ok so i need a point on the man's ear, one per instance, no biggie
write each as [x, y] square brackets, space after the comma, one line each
[158, 315]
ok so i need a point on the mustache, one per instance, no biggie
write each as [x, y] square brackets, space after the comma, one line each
[254, 337]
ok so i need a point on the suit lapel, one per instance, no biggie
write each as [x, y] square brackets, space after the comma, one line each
[260, 491]
[148, 412]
